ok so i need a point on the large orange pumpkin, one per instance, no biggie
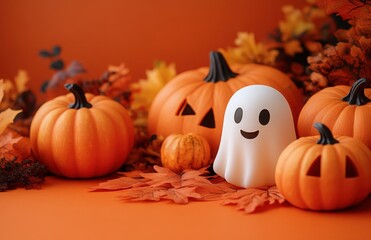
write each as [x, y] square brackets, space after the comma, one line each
[81, 135]
[345, 110]
[324, 173]
[195, 100]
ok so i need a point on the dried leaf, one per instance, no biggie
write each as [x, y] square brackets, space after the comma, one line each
[164, 184]
[7, 116]
[145, 90]
[249, 199]
[6, 144]
[163, 177]
[247, 50]
[117, 82]
[347, 9]
[21, 81]
[60, 77]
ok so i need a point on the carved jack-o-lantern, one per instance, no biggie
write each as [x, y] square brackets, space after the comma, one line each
[195, 101]
[324, 174]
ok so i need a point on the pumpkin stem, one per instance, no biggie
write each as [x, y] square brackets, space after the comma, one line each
[326, 136]
[80, 99]
[219, 69]
[356, 95]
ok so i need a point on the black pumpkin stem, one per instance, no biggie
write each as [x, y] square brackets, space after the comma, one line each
[80, 99]
[326, 136]
[356, 95]
[219, 69]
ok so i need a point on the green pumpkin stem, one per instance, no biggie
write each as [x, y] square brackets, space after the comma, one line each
[80, 99]
[326, 136]
[356, 95]
[219, 69]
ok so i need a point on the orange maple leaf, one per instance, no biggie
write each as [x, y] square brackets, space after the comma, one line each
[7, 140]
[164, 184]
[251, 198]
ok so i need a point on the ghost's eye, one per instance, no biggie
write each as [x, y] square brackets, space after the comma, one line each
[264, 117]
[238, 115]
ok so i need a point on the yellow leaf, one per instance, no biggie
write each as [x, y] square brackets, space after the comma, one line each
[7, 116]
[295, 23]
[249, 51]
[21, 81]
[146, 89]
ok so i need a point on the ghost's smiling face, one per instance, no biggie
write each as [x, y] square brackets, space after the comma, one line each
[263, 118]
[257, 126]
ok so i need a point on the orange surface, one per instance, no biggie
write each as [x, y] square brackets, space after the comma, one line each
[65, 209]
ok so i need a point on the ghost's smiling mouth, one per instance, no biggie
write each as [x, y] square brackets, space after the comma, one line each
[249, 135]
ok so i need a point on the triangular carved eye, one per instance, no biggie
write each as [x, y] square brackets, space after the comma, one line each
[185, 109]
[350, 169]
[209, 120]
[315, 168]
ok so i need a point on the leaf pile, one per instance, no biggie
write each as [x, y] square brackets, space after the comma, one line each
[301, 33]
[198, 185]
[17, 167]
[350, 58]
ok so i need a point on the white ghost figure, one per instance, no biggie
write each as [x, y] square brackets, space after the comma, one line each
[258, 125]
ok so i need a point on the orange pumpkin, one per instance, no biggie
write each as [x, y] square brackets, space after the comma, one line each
[180, 152]
[195, 101]
[81, 135]
[324, 173]
[345, 110]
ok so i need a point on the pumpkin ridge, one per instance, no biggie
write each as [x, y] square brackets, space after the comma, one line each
[307, 153]
[56, 138]
[34, 134]
[323, 116]
[95, 132]
[343, 121]
[45, 117]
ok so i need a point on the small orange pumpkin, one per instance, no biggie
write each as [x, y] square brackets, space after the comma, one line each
[195, 101]
[81, 135]
[185, 151]
[324, 173]
[345, 110]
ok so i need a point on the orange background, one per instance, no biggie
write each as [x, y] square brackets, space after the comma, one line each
[102, 32]
[138, 32]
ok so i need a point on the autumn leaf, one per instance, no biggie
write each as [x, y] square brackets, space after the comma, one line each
[7, 116]
[347, 9]
[145, 90]
[7, 140]
[21, 81]
[118, 81]
[247, 50]
[250, 199]
[17, 166]
[199, 185]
